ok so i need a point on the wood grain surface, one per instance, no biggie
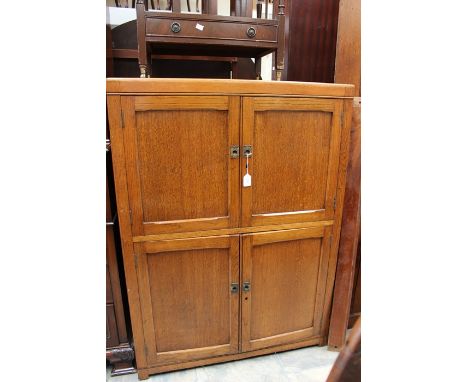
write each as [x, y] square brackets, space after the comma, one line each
[123, 209]
[231, 231]
[190, 311]
[181, 177]
[219, 86]
[349, 240]
[348, 68]
[311, 40]
[287, 273]
[295, 159]
[348, 45]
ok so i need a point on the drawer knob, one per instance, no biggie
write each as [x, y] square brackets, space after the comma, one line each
[251, 32]
[175, 27]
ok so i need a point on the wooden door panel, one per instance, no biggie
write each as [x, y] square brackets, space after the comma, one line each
[179, 171]
[295, 159]
[194, 173]
[189, 311]
[277, 153]
[287, 275]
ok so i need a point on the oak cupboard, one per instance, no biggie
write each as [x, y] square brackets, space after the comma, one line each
[218, 268]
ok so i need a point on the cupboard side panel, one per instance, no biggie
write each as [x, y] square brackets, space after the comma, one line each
[120, 180]
[342, 169]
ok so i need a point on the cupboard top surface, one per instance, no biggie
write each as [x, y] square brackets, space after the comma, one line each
[222, 86]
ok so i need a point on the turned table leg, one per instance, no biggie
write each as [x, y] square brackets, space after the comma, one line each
[258, 68]
[143, 71]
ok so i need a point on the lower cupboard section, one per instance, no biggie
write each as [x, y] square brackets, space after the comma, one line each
[213, 299]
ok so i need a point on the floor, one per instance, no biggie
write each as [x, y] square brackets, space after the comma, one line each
[311, 364]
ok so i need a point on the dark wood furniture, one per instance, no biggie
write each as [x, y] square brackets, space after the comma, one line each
[346, 296]
[311, 30]
[217, 270]
[119, 352]
[347, 367]
[355, 312]
[348, 268]
[176, 33]
[124, 52]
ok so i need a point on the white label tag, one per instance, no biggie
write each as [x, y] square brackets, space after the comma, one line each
[247, 181]
[199, 27]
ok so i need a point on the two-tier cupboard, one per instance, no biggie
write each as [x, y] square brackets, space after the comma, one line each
[229, 198]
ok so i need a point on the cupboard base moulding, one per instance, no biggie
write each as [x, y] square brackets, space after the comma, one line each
[145, 373]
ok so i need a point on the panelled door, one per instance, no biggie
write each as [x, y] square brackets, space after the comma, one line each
[189, 297]
[181, 174]
[283, 286]
[295, 145]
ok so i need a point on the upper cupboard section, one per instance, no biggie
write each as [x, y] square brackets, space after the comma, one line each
[184, 160]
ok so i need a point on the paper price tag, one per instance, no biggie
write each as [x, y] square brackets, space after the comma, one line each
[247, 180]
[200, 27]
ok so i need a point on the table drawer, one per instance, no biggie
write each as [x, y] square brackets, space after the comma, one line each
[211, 30]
